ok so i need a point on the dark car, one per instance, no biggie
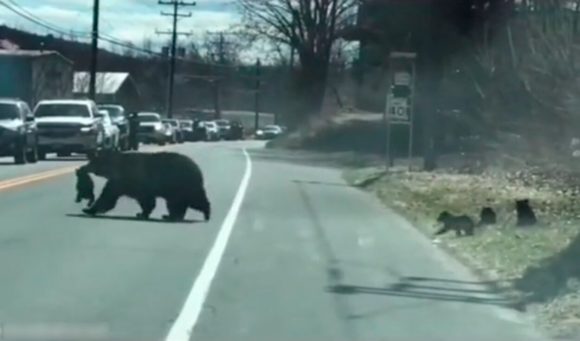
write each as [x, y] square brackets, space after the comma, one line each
[186, 127]
[18, 133]
[236, 131]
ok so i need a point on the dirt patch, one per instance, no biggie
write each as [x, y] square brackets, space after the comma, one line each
[539, 266]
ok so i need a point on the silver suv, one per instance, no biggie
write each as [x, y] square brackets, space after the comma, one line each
[151, 128]
[17, 131]
[68, 126]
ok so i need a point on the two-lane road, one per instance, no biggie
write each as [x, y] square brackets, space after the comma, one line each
[291, 253]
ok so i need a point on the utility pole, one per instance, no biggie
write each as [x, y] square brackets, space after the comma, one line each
[94, 51]
[257, 95]
[175, 14]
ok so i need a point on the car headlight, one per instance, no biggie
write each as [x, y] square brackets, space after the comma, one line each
[158, 127]
[259, 132]
[87, 129]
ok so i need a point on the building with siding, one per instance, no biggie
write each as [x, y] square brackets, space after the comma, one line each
[34, 75]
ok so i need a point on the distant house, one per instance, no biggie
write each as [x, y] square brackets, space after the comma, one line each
[33, 75]
[110, 87]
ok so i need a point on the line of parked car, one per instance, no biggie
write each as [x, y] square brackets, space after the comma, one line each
[81, 126]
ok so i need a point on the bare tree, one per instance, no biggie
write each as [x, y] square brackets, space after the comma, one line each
[147, 44]
[222, 48]
[309, 26]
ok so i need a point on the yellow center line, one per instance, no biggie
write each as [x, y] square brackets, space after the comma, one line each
[33, 178]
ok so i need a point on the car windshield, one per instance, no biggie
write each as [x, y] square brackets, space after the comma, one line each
[149, 118]
[62, 110]
[222, 123]
[173, 123]
[114, 111]
[8, 111]
[186, 124]
[210, 124]
[272, 128]
[105, 117]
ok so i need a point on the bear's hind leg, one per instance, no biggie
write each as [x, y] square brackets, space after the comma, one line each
[147, 204]
[176, 210]
[204, 207]
[106, 201]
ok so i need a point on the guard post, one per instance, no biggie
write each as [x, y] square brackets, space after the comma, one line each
[399, 109]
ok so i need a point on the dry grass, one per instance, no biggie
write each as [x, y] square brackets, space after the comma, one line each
[539, 265]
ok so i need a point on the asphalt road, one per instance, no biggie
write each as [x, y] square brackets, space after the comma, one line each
[291, 253]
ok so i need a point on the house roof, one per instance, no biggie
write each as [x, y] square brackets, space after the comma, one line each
[107, 83]
[31, 54]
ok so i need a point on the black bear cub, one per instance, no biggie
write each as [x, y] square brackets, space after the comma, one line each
[147, 176]
[85, 187]
[525, 213]
[487, 217]
[460, 224]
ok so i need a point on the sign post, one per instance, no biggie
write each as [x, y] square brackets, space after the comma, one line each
[399, 109]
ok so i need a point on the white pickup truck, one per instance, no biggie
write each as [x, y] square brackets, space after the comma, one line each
[68, 126]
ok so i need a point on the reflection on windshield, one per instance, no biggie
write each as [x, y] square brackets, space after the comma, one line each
[8, 111]
[113, 111]
[173, 123]
[149, 118]
[62, 110]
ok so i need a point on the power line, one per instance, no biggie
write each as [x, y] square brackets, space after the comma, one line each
[18, 10]
[176, 5]
[101, 36]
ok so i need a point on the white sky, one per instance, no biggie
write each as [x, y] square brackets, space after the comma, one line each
[127, 20]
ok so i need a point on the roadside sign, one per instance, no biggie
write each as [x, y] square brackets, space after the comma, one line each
[402, 78]
[398, 109]
[400, 99]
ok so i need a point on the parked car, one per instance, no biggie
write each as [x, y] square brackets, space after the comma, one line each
[119, 118]
[151, 129]
[269, 132]
[224, 127]
[177, 131]
[68, 126]
[212, 131]
[170, 133]
[199, 130]
[18, 134]
[111, 131]
[186, 127]
[236, 131]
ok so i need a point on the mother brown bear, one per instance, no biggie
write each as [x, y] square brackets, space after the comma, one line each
[147, 176]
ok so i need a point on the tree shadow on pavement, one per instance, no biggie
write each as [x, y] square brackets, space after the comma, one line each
[67, 159]
[316, 159]
[479, 294]
[129, 218]
[553, 277]
[321, 183]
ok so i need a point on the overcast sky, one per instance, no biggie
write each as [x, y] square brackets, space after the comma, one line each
[127, 20]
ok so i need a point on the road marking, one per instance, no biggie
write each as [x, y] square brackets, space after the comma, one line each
[37, 177]
[182, 328]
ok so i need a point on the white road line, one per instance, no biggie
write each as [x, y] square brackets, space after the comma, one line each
[182, 328]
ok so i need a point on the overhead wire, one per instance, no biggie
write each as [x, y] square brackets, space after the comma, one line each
[20, 11]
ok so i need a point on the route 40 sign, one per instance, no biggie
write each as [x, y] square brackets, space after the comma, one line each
[398, 109]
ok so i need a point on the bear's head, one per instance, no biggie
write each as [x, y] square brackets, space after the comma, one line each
[522, 204]
[443, 217]
[104, 163]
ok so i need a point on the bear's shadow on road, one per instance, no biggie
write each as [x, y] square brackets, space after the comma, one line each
[130, 218]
